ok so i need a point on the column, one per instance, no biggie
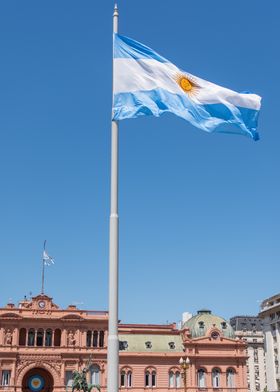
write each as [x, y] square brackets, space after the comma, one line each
[62, 372]
[261, 367]
[270, 370]
[63, 337]
[251, 367]
[1, 336]
[15, 337]
[13, 374]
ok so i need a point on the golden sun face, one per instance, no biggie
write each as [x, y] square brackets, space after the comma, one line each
[187, 84]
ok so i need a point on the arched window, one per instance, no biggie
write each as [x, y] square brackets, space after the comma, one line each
[201, 378]
[57, 337]
[48, 338]
[129, 379]
[31, 337]
[150, 378]
[123, 379]
[95, 339]
[216, 378]
[40, 338]
[89, 334]
[22, 337]
[94, 374]
[174, 379]
[154, 378]
[101, 338]
[147, 378]
[230, 378]
[178, 379]
[126, 378]
[171, 380]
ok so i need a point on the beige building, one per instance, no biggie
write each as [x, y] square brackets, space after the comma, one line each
[270, 314]
[250, 329]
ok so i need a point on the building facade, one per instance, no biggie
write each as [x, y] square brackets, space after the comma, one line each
[270, 314]
[41, 345]
[250, 329]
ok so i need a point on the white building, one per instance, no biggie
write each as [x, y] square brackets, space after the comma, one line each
[270, 313]
[249, 328]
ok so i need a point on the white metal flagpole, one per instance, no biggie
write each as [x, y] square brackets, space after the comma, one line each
[43, 269]
[113, 340]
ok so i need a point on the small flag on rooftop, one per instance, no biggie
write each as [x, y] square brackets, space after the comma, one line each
[48, 260]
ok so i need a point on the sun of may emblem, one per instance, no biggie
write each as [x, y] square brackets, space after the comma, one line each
[187, 84]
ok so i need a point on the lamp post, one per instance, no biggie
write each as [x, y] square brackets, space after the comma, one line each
[184, 364]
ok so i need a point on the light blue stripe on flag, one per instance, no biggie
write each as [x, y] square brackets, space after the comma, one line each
[145, 84]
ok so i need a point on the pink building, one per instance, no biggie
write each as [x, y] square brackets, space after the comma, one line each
[41, 345]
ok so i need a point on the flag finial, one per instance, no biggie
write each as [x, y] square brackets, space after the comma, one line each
[116, 10]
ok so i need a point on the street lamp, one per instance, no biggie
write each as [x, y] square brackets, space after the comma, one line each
[184, 364]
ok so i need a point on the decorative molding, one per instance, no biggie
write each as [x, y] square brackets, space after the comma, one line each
[51, 363]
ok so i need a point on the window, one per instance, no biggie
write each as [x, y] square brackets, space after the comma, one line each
[150, 378]
[216, 378]
[129, 379]
[89, 333]
[224, 325]
[126, 379]
[101, 338]
[201, 378]
[22, 337]
[31, 337]
[171, 380]
[201, 324]
[123, 345]
[48, 338]
[174, 379]
[153, 379]
[256, 358]
[6, 376]
[171, 345]
[57, 337]
[148, 344]
[178, 379]
[123, 379]
[68, 378]
[230, 378]
[215, 335]
[95, 339]
[147, 379]
[94, 374]
[40, 337]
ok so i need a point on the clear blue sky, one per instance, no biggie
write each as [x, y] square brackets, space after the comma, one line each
[199, 213]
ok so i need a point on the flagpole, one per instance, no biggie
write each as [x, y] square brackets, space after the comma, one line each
[43, 276]
[113, 340]
[43, 269]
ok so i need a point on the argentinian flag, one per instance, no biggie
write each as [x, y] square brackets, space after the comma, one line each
[147, 84]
